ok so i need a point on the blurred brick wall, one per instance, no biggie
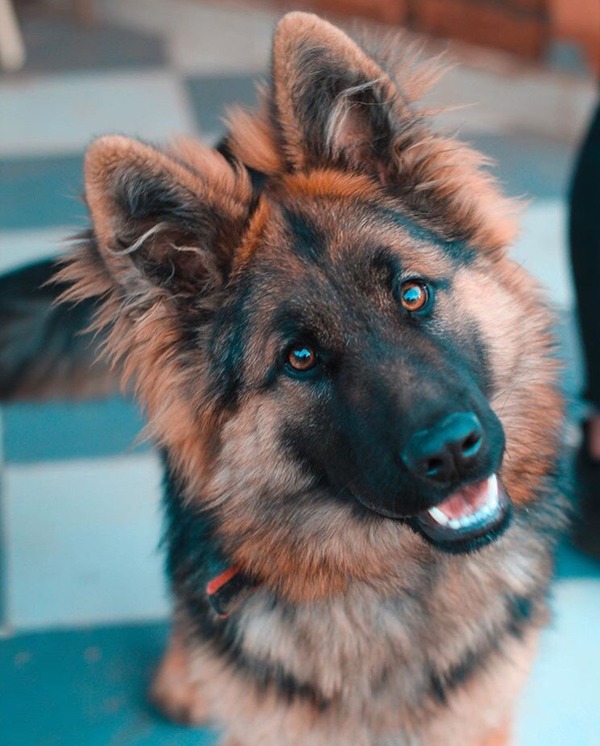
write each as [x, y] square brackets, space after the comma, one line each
[578, 21]
[386, 11]
[522, 27]
[518, 26]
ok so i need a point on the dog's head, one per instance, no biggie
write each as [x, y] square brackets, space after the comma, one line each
[322, 322]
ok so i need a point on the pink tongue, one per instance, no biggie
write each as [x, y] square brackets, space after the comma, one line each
[467, 501]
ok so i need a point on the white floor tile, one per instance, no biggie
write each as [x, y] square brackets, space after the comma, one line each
[61, 114]
[561, 706]
[542, 249]
[22, 247]
[82, 541]
[481, 99]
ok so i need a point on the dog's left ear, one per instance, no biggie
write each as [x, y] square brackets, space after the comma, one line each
[333, 103]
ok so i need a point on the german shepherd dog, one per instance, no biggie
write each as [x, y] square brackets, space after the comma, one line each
[355, 393]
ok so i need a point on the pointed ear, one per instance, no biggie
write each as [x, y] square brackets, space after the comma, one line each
[333, 103]
[166, 222]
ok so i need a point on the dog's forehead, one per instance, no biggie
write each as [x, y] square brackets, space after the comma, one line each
[332, 264]
[350, 232]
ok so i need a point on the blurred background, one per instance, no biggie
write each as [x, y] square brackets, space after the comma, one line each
[83, 608]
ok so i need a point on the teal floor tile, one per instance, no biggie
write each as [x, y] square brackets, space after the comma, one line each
[40, 192]
[573, 564]
[46, 431]
[86, 688]
[210, 96]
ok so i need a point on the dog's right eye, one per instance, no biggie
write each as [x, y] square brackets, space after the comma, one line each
[301, 358]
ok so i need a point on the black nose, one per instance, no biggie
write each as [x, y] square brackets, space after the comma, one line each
[445, 451]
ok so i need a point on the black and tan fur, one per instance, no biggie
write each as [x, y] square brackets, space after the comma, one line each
[205, 265]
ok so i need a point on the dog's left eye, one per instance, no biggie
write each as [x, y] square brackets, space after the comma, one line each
[414, 295]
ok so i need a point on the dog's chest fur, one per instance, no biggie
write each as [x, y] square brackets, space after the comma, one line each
[414, 647]
[392, 657]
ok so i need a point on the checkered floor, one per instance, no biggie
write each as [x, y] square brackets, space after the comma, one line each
[79, 512]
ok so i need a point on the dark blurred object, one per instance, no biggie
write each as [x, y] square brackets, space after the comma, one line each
[46, 349]
[584, 240]
[586, 527]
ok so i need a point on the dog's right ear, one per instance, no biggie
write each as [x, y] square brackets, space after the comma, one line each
[164, 223]
[166, 226]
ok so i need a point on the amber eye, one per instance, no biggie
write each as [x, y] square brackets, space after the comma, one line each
[302, 358]
[413, 295]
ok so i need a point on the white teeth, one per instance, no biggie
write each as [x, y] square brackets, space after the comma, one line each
[493, 490]
[488, 509]
[438, 516]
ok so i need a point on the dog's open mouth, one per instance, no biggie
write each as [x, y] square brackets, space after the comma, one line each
[469, 518]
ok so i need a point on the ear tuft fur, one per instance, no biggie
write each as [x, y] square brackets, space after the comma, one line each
[168, 220]
[330, 98]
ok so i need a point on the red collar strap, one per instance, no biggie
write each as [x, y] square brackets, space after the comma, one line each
[227, 589]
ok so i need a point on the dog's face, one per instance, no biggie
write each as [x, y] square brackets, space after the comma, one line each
[322, 321]
[348, 317]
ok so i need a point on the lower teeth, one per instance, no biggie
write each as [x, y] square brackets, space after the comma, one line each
[467, 521]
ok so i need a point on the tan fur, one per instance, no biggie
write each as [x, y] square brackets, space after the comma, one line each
[254, 140]
[508, 296]
[501, 738]
[175, 690]
[258, 718]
